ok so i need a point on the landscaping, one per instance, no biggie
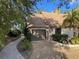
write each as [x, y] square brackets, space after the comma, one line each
[74, 40]
[14, 33]
[28, 28]
[71, 21]
[64, 39]
[24, 45]
[60, 38]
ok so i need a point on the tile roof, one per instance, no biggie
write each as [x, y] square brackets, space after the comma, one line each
[47, 19]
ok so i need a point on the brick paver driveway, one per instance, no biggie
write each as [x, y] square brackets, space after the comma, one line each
[45, 50]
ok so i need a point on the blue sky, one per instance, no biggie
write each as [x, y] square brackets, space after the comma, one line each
[50, 6]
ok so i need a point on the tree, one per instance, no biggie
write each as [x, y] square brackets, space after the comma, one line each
[62, 3]
[72, 20]
[13, 10]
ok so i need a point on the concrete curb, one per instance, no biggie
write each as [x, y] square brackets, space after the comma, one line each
[67, 45]
[71, 46]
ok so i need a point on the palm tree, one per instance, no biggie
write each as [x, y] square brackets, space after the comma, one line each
[72, 20]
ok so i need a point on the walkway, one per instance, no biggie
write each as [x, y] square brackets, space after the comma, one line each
[10, 51]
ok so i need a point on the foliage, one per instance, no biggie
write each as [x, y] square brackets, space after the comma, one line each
[61, 3]
[64, 3]
[25, 5]
[2, 40]
[14, 33]
[11, 10]
[60, 38]
[25, 44]
[75, 40]
[72, 19]
[27, 34]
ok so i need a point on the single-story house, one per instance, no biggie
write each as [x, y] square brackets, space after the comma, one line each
[43, 24]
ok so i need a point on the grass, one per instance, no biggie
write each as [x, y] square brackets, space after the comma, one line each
[25, 44]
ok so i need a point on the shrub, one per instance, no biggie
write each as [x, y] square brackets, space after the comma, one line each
[2, 40]
[25, 31]
[75, 40]
[60, 38]
[14, 33]
[25, 44]
[27, 34]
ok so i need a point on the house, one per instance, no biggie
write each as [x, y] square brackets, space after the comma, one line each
[43, 24]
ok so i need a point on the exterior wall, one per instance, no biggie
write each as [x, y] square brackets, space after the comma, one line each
[49, 32]
[43, 31]
[68, 31]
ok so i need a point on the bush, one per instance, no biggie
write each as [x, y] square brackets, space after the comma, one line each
[60, 38]
[25, 31]
[75, 40]
[14, 33]
[2, 40]
[25, 44]
[27, 34]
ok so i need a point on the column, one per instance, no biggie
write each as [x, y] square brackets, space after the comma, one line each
[47, 34]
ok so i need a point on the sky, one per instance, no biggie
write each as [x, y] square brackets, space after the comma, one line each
[50, 6]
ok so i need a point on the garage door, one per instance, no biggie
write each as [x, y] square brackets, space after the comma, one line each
[39, 34]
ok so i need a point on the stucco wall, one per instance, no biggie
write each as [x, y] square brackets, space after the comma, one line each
[68, 31]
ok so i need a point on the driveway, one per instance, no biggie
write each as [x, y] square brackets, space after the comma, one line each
[10, 51]
[41, 50]
[46, 50]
